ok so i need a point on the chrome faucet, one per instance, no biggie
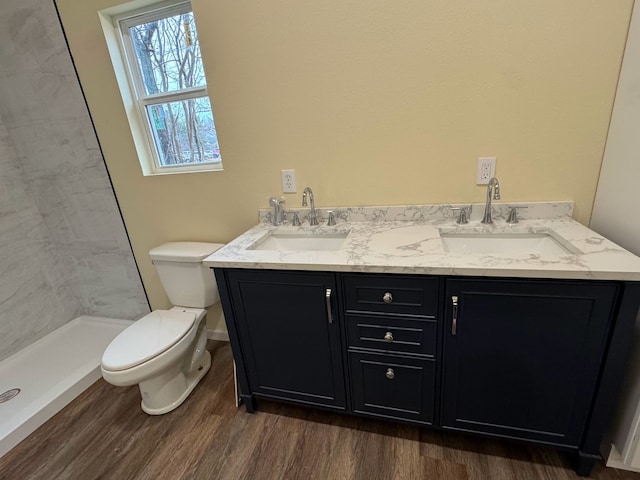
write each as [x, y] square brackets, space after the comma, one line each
[313, 216]
[495, 185]
[278, 217]
[463, 214]
[513, 214]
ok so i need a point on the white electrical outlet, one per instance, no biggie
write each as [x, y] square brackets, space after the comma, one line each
[486, 170]
[288, 181]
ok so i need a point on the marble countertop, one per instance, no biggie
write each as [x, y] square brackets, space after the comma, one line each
[407, 239]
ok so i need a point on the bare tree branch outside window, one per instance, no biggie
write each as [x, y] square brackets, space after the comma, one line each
[169, 61]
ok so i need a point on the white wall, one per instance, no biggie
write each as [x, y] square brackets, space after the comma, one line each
[63, 248]
[616, 215]
[616, 209]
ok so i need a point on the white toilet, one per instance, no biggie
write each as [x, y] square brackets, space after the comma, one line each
[164, 352]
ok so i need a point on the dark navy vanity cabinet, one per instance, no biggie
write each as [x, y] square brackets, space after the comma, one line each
[391, 343]
[526, 359]
[288, 330]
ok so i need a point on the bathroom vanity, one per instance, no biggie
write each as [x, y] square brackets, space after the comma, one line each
[393, 321]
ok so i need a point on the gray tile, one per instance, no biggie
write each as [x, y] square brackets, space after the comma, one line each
[34, 294]
[63, 246]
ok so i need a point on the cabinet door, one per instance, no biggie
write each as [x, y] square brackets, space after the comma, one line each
[525, 356]
[290, 347]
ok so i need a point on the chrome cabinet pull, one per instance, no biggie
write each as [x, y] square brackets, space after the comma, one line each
[327, 295]
[390, 374]
[387, 298]
[388, 337]
[454, 320]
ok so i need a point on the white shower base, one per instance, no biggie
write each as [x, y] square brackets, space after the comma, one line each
[50, 373]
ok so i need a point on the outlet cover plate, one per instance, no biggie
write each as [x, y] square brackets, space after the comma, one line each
[288, 181]
[486, 170]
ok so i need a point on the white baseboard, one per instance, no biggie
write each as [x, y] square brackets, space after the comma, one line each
[221, 335]
[615, 461]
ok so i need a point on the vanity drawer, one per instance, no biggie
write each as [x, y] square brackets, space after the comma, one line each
[392, 333]
[389, 386]
[391, 294]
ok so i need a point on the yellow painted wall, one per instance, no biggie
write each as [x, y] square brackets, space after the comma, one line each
[372, 102]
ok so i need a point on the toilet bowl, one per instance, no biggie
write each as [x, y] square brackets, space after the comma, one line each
[164, 352]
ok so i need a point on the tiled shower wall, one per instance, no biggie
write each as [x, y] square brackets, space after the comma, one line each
[63, 247]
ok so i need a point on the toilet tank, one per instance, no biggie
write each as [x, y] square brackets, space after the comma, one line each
[186, 281]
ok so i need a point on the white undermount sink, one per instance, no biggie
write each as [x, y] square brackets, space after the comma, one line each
[285, 242]
[505, 243]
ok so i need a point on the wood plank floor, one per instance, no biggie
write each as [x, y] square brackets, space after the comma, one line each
[103, 434]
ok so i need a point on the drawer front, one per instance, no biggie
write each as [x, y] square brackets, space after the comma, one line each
[392, 387]
[392, 334]
[391, 294]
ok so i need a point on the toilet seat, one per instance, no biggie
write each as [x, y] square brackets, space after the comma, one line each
[147, 338]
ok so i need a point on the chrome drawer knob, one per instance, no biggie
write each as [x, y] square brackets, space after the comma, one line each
[390, 374]
[387, 298]
[388, 337]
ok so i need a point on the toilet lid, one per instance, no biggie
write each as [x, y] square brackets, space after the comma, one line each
[147, 338]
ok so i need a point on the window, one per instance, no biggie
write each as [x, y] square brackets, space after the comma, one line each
[167, 87]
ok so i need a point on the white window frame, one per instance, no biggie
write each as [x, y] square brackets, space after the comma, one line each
[116, 24]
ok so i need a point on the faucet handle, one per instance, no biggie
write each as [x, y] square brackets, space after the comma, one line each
[332, 219]
[513, 214]
[296, 220]
[278, 211]
[463, 214]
